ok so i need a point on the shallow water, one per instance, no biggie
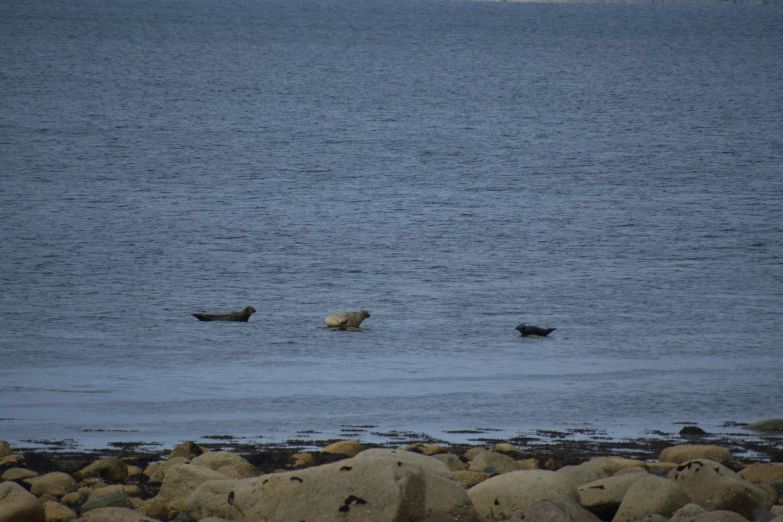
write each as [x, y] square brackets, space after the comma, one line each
[455, 168]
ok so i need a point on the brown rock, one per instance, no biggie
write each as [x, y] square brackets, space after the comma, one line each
[131, 491]
[5, 449]
[433, 449]
[19, 505]
[156, 471]
[582, 474]
[509, 449]
[111, 469]
[604, 496]
[497, 498]
[46, 497]
[492, 462]
[468, 479]
[474, 451]
[72, 499]
[55, 483]
[651, 495]
[716, 488]
[453, 462]
[187, 450]
[763, 472]
[134, 471]
[181, 480]
[553, 464]
[684, 453]
[301, 460]
[529, 464]
[12, 460]
[18, 474]
[55, 512]
[349, 448]
[227, 463]
[614, 464]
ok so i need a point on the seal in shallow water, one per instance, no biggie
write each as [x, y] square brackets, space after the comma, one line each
[343, 320]
[526, 330]
[242, 315]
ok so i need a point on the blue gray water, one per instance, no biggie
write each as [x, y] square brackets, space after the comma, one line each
[455, 168]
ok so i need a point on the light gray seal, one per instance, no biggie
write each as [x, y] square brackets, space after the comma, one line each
[527, 331]
[243, 315]
[343, 320]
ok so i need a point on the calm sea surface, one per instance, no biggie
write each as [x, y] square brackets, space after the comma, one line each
[455, 168]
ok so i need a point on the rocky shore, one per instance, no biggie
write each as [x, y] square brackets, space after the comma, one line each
[692, 477]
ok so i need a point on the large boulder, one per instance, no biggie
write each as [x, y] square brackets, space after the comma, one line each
[377, 481]
[604, 496]
[111, 469]
[652, 495]
[686, 452]
[55, 483]
[5, 449]
[499, 497]
[378, 489]
[19, 505]
[715, 487]
[227, 463]
[548, 511]
[444, 498]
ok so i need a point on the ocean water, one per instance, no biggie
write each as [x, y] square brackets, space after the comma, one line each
[614, 171]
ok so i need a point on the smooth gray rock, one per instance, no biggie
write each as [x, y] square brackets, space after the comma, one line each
[19, 505]
[579, 475]
[651, 495]
[116, 499]
[604, 496]
[549, 511]
[499, 497]
[716, 488]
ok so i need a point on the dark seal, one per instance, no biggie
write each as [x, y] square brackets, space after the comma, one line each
[530, 331]
[243, 315]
